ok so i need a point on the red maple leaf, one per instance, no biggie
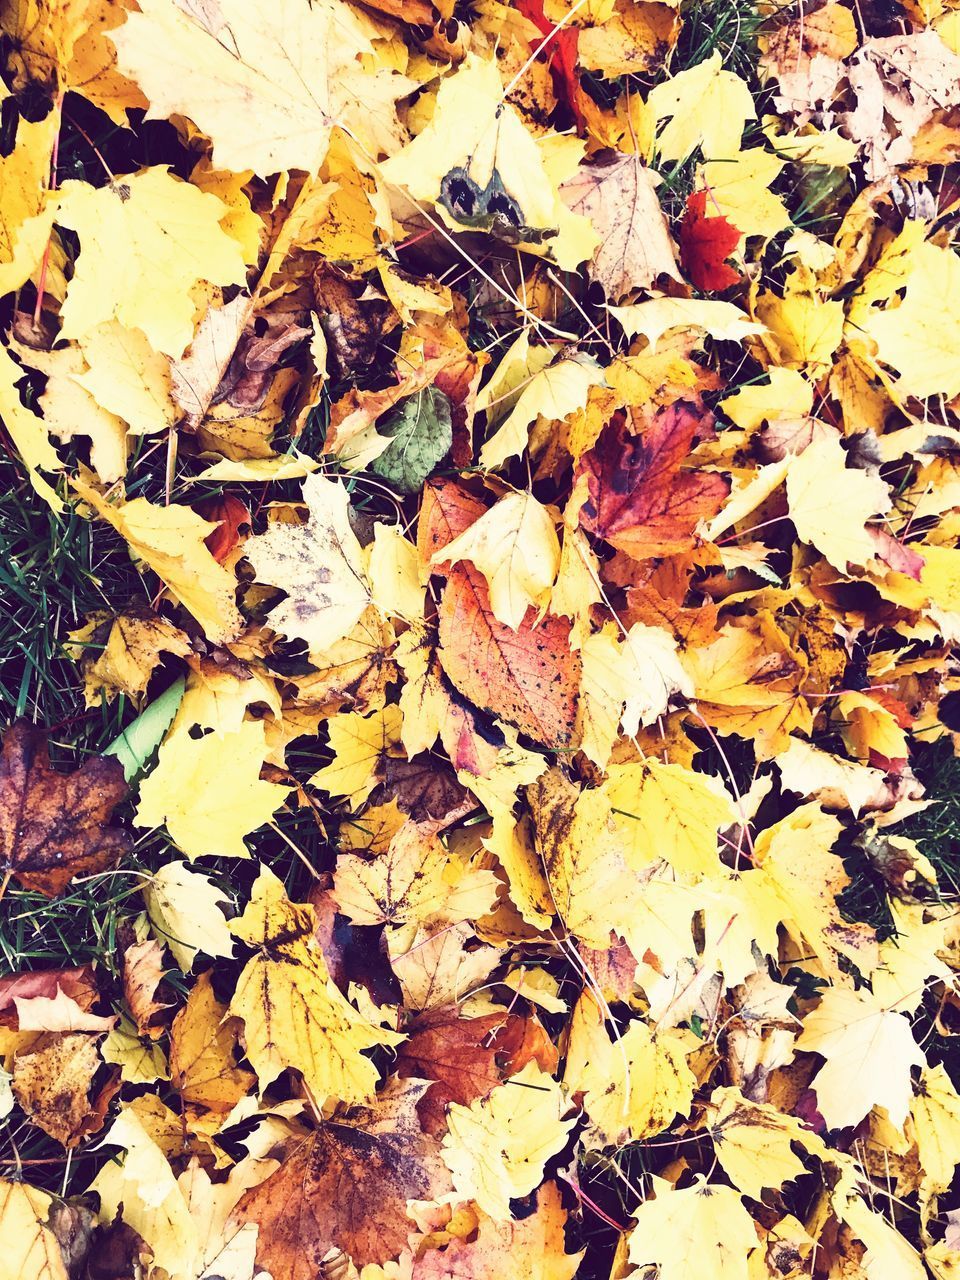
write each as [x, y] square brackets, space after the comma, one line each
[561, 53]
[639, 499]
[705, 241]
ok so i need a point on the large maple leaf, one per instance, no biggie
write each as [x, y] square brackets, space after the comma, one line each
[346, 1187]
[639, 497]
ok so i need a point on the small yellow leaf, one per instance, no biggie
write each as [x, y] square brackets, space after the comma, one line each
[706, 107]
[936, 1121]
[753, 1142]
[738, 189]
[552, 393]
[516, 548]
[184, 911]
[359, 743]
[837, 529]
[186, 791]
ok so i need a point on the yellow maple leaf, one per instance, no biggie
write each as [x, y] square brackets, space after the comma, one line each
[171, 541]
[703, 1230]
[705, 107]
[145, 241]
[294, 65]
[738, 188]
[860, 1040]
[497, 1147]
[184, 911]
[788, 394]
[186, 791]
[836, 529]
[552, 393]
[667, 811]
[293, 1015]
[920, 338]
[935, 1111]
[203, 1052]
[634, 1085]
[803, 329]
[516, 548]
[127, 377]
[359, 743]
[753, 1142]
[415, 881]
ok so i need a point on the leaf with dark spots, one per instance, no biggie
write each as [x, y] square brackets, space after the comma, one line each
[54, 826]
[639, 497]
[51, 1083]
[528, 677]
[346, 1187]
[446, 510]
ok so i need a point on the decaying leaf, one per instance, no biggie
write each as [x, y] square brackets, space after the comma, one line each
[346, 1186]
[55, 826]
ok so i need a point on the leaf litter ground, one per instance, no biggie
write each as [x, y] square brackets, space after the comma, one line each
[480, 577]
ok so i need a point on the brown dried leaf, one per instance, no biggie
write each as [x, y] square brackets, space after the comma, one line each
[346, 1187]
[53, 826]
[142, 973]
[51, 1082]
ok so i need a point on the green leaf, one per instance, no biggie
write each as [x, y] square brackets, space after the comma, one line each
[137, 743]
[421, 433]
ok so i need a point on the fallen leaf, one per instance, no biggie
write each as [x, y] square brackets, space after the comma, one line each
[346, 1186]
[56, 825]
[528, 676]
[515, 546]
[618, 194]
[704, 1226]
[536, 1244]
[497, 1147]
[639, 498]
[318, 565]
[862, 1041]
[707, 239]
[171, 541]
[292, 1013]
[184, 791]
